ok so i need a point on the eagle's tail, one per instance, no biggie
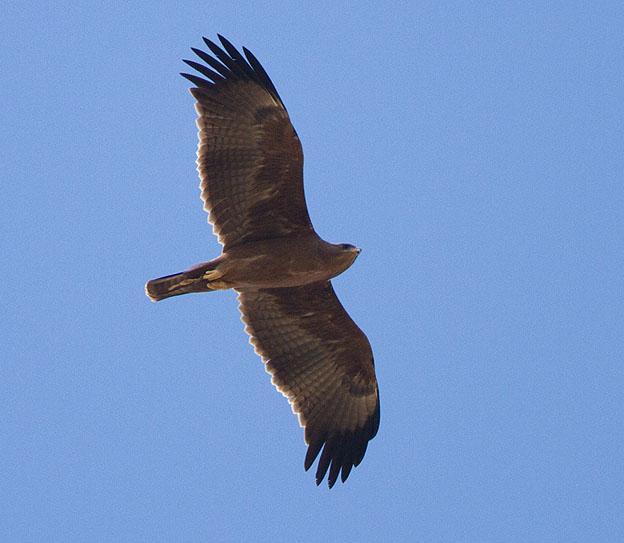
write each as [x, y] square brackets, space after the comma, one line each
[202, 278]
[170, 285]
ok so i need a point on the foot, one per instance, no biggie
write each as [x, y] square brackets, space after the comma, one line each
[212, 275]
[218, 285]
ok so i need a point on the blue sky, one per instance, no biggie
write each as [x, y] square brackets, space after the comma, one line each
[474, 150]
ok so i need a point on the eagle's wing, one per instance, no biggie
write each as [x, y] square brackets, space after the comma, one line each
[249, 157]
[323, 363]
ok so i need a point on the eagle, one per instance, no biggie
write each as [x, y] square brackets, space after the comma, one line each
[250, 164]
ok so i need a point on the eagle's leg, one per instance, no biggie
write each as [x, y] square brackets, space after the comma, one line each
[212, 280]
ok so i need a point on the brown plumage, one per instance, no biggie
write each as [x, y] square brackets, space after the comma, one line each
[251, 167]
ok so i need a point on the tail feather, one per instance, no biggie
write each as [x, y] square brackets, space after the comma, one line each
[174, 285]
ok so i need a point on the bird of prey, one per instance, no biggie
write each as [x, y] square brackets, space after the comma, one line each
[250, 164]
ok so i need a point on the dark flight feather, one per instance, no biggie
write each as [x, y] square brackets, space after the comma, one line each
[210, 74]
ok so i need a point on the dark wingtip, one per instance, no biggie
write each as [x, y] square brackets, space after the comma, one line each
[346, 469]
[207, 72]
[264, 77]
[326, 458]
[209, 43]
[197, 81]
[334, 471]
[225, 42]
[313, 450]
[227, 63]
[341, 452]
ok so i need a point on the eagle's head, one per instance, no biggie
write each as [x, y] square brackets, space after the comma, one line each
[345, 254]
[348, 248]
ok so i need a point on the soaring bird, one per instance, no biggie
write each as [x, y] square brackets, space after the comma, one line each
[250, 163]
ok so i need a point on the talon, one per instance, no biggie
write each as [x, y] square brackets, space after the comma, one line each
[212, 275]
[218, 285]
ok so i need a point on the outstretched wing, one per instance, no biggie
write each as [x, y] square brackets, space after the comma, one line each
[323, 363]
[249, 157]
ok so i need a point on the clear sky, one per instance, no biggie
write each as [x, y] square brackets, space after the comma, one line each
[474, 150]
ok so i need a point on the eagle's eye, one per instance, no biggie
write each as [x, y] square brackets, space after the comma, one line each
[347, 247]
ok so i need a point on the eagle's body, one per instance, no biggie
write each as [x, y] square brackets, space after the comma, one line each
[251, 167]
[272, 263]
